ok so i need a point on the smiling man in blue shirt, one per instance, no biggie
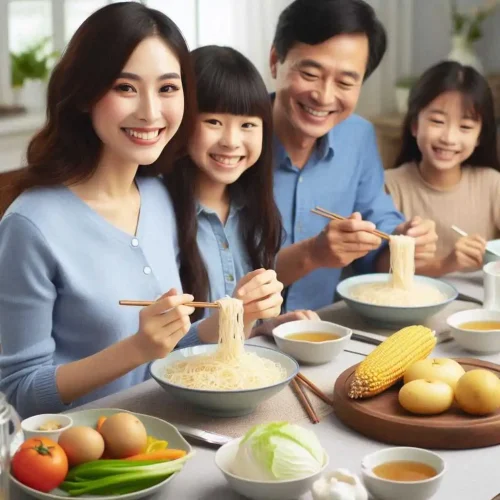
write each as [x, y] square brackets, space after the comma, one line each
[327, 156]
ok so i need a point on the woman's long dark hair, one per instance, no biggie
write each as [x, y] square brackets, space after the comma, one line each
[67, 149]
[227, 82]
[451, 76]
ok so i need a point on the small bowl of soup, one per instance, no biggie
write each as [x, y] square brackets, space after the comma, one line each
[312, 341]
[477, 330]
[403, 473]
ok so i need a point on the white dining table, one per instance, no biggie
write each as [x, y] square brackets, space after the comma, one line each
[472, 474]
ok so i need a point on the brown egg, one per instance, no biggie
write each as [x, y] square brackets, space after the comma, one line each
[124, 435]
[81, 444]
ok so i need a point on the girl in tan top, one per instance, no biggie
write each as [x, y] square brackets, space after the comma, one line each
[448, 167]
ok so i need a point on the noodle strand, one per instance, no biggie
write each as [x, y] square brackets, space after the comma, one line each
[229, 367]
[401, 289]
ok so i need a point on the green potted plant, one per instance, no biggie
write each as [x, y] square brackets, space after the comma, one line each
[403, 87]
[30, 69]
[466, 29]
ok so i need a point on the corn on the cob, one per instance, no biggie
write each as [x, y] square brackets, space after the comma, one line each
[385, 365]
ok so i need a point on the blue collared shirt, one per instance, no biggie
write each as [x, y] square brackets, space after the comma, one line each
[343, 175]
[223, 250]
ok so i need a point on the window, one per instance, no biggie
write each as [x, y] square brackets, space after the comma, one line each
[76, 12]
[29, 22]
[24, 23]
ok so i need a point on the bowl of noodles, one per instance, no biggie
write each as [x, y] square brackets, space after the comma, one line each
[373, 302]
[399, 297]
[228, 378]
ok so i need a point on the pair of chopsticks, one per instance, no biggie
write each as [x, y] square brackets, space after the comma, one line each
[461, 232]
[333, 216]
[297, 383]
[144, 303]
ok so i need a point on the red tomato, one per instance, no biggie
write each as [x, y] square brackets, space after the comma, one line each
[40, 463]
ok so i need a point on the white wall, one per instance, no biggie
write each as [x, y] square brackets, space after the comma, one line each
[377, 95]
[432, 34]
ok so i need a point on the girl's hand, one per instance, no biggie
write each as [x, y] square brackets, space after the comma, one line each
[267, 327]
[162, 325]
[468, 253]
[260, 292]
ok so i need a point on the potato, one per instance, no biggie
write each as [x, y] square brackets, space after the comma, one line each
[426, 397]
[81, 444]
[444, 369]
[478, 392]
[124, 435]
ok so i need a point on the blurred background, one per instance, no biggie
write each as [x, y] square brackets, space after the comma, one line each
[421, 32]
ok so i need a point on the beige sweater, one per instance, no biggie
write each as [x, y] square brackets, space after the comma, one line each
[473, 205]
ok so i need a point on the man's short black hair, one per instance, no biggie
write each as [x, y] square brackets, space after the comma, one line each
[315, 21]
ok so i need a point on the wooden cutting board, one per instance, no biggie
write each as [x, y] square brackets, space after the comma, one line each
[382, 418]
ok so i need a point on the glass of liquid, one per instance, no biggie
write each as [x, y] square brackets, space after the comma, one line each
[10, 424]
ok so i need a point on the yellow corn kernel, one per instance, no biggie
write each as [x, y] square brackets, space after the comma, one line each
[387, 363]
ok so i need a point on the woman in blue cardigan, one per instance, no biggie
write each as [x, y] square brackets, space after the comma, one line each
[92, 223]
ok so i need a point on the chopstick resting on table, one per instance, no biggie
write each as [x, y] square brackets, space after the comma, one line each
[333, 216]
[306, 403]
[144, 303]
[321, 395]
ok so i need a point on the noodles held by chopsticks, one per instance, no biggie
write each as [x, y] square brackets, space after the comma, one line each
[401, 289]
[230, 367]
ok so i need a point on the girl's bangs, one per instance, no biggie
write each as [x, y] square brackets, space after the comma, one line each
[471, 106]
[236, 93]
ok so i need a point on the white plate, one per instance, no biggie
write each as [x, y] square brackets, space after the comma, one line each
[154, 426]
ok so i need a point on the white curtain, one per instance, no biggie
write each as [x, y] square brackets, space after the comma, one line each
[246, 25]
[378, 93]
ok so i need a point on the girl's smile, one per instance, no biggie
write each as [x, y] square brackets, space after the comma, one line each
[225, 145]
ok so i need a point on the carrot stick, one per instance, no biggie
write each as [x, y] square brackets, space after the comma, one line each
[166, 454]
[100, 421]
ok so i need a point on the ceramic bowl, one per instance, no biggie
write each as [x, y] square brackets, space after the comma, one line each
[385, 489]
[31, 426]
[223, 403]
[312, 352]
[492, 253]
[262, 490]
[478, 341]
[394, 315]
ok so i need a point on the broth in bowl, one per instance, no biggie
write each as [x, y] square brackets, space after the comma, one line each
[480, 325]
[404, 470]
[313, 336]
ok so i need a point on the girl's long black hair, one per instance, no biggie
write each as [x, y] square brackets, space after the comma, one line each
[227, 82]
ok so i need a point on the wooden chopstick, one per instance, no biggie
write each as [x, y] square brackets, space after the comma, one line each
[461, 232]
[306, 403]
[212, 305]
[332, 216]
[321, 395]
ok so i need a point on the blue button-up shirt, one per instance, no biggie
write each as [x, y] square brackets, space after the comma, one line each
[343, 175]
[222, 249]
